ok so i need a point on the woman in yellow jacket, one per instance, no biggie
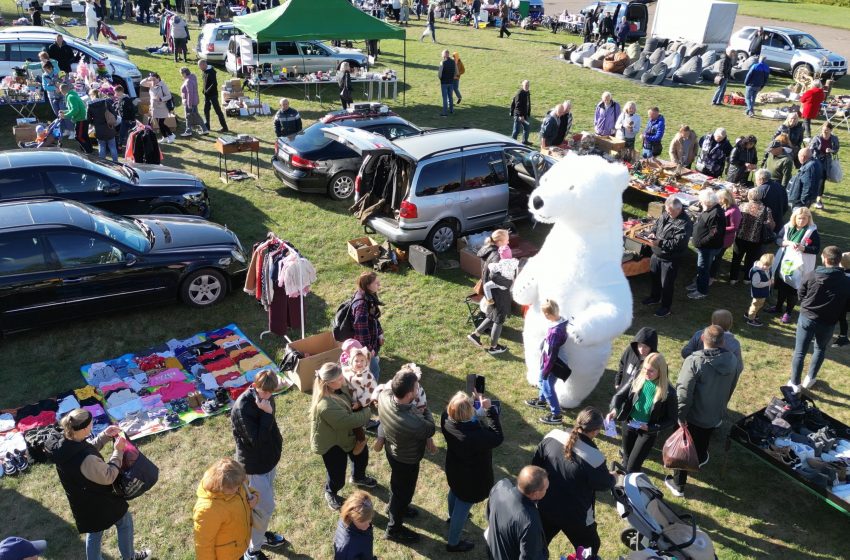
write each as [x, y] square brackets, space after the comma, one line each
[459, 70]
[222, 514]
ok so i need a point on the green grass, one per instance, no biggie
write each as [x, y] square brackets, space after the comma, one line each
[749, 510]
[803, 12]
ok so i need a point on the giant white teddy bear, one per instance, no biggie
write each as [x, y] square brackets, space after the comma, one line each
[579, 267]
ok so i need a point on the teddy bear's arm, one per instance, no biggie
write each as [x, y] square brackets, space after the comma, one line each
[524, 289]
[600, 322]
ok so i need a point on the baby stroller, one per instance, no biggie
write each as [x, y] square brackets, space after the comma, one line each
[654, 525]
[109, 32]
[46, 138]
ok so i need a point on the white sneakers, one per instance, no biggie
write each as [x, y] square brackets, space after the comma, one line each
[794, 386]
[809, 381]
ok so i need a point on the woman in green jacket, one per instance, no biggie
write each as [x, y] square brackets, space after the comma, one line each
[332, 423]
[76, 112]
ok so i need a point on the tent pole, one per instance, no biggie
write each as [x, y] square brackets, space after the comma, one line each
[404, 73]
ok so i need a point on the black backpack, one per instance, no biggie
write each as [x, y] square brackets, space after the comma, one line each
[342, 325]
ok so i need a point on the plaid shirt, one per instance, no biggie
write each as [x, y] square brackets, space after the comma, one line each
[367, 327]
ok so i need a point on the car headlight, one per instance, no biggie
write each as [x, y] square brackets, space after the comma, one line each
[238, 256]
[194, 196]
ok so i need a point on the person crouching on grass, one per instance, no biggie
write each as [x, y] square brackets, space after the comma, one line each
[556, 336]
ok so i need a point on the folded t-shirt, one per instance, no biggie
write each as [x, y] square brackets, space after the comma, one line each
[7, 422]
[166, 376]
[67, 405]
[175, 390]
[46, 418]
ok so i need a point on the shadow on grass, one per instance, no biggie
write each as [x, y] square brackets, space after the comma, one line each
[27, 518]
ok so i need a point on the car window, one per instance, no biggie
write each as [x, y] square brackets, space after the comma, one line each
[20, 182]
[70, 181]
[264, 48]
[483, 170]
[312, 49]
[805, 42]
[223, 34]
[4, 53]
[776, 41]
[20, 254]
[393, 131]
[439, 177]
[21, 52]
[286, 48]
[75, 250]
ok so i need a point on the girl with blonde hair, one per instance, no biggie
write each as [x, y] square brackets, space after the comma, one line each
[222, 516]
[644, 407]
[354, 536]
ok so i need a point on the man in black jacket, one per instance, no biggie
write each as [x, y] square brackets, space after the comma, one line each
[550, 126]
[62, 53]
[823, 295]
[446, 73]
[515, 529]
[642, 345]
[210, 84]
[804, 186]
[774, 196]
[287, 121]
[726, 64]
[709, 230]
[521, 111]
[669, 244]
[258, 448]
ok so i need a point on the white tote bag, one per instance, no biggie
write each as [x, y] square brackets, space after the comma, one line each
[834, 174]
[791, 268]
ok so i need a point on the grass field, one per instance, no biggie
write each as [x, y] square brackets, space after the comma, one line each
[749, 510]
[820, 14]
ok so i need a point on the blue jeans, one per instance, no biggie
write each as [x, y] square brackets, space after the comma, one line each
[91, 35]
[125, 539]
[102, 145]
[458, 514]
[750, 93]
[116, 9]
[520, 124]
[547, 392]
[375, 367]
[720, 92]
[704, 259]
[456, 89]
[475, 20]
[808, 330]
[448, 100]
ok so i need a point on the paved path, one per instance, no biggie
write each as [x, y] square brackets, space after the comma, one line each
[837, 40]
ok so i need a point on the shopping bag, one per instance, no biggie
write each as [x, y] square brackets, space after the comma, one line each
[834, 174]
[679, 451]
[138, 474]
[791, 268]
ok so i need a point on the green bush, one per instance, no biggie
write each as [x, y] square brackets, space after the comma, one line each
[842, 3]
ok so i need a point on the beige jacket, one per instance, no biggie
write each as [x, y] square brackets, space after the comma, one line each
[676, 150]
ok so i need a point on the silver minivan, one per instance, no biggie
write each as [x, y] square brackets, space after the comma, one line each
[434, 186]
[306, 56]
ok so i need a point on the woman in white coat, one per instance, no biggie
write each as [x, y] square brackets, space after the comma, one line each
[91, 21]
[160, 96]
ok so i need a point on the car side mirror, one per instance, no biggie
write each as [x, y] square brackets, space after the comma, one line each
[130, 259]
[786, 48]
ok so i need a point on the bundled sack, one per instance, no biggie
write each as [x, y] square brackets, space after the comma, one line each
[634, 51]
[695, 49]
[711, 71]
[708, 58]
[739, 72]
[582, 52]
[679, 451]
[653, 43]
[138, 474]
[672, 62]
[37, 439]
[834, 173]
[656, 75]
[615, 63]
[656, 56]
[690, 72]
[595, 60]
[637, 68]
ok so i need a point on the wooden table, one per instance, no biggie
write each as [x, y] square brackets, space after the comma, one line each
[232, 145]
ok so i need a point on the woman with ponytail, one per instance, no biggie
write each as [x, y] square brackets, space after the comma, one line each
[87, 480]
[332, 424]
[645, 407]
[576, 470]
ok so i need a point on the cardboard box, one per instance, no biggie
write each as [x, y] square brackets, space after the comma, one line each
[471, 263]
[363, 249]
[24, 133]
[170, 122]
[317, 349]
[655, 209]
[610, 143]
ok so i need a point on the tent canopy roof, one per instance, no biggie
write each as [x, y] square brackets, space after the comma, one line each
[299, 20]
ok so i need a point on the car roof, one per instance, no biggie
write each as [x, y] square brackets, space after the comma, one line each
[789, 30]
[423, 145]
[37, 158]
[362, 120]
[39, 212]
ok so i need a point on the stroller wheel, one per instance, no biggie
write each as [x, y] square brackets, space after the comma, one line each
[631, 538]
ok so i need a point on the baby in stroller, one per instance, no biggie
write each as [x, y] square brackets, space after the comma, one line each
[656, 530]
[45, 137]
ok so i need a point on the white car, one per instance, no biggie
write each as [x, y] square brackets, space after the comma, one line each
[19, 48]
[306, 56]
[111, 51]
[213, 41]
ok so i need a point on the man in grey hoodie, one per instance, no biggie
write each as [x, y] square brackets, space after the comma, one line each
[706, 383]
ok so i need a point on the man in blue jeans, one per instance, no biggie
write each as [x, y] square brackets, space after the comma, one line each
[755, 81]
[521, 112]
[725, 71]
[824, 295]
[446, 73]
[709, 229]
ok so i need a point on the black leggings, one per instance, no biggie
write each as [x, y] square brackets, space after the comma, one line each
[578, 534]
[749, 252]
[842, 325]
[637, 445]
[163, 129]
[785, 294]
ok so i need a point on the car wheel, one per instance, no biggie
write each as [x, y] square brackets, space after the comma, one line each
[442, 236]
[802, 72]
[741, 56]
[203, 288]
[166, 209]
[341, 186]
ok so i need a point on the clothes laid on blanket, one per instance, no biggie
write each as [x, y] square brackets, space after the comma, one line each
[219, 364]
[119, 397]
[223, 378]
[7, 422]
[86, 392]
[101, 372]
[175, 390]
[191, 341]
[95, 410]
[210, 383]
[113, 386]
[12, 443]
[166, 376]
[119, 411]
[236, 382]
[40, 420]
[258, 361]
[67, 404]
[209, 357]
[227, 340]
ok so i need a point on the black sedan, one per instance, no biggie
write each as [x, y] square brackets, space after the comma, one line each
[313, 163]
[61, 260]
[119, 188]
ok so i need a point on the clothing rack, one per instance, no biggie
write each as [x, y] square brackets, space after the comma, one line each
[271, 236]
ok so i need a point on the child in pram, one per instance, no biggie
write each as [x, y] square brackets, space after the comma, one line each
[45, 137]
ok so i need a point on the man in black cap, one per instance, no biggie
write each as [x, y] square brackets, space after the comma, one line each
[778, 163]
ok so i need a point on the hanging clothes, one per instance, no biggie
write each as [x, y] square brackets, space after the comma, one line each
[143, 145]
[295, 275]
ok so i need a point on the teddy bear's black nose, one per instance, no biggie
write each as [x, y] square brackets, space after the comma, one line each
[537, 202]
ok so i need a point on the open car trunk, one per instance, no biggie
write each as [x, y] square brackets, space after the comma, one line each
[525, 168]
[384, 183]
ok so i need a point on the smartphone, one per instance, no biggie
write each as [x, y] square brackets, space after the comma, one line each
[470, 383]
[480, 381]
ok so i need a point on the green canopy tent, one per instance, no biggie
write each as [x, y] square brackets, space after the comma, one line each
[301, 20]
